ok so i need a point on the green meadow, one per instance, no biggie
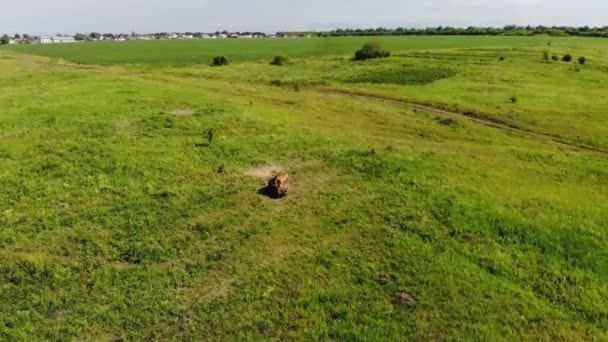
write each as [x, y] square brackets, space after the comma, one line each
[455, 190]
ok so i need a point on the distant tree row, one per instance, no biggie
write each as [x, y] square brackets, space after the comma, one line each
[5, 39]
[510, 30]
[95, 36]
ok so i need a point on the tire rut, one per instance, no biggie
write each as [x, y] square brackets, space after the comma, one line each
[477, 118]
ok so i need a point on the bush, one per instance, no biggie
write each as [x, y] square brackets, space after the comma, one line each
[555, 57]
[582, 60]
[208, 135]
[219, 61]
[502, 58]
[567, 58]
[513, 99]
[371, 50]
[290, 84]
[280, 60]
[546, 54]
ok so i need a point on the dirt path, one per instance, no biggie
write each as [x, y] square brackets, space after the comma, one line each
[477, 118]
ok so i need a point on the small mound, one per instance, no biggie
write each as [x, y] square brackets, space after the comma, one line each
[263, 171]
[404, 76]
[182, 112]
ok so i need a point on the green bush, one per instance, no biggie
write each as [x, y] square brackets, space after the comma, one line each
[555, 57]
[371, 50]
[546, 54]
[280, 60]
[567, 58]
[219, 61]
[582, 60]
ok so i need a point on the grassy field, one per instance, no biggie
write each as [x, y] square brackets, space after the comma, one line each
[424, 203]
[203, 51]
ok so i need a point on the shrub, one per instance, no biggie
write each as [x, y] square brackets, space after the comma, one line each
[219, 61]
[371, 50]
[582, 60]
[546, 54]
[555, 57]
[290, 84]
[567, 58]
[513, 99]
[208, 135]
[280, 60]
[502, 58]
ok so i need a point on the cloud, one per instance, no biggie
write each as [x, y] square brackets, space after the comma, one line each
[69, 16]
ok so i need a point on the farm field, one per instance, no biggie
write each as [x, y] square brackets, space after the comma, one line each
[202, 51]
[441, 193]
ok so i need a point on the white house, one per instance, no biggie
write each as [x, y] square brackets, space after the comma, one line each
[55, 40]
[45, 40]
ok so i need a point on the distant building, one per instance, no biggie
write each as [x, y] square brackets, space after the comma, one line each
[140, 37]
[55, 40]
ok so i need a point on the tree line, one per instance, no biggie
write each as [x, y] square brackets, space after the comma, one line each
[510, 30]
[5, 39]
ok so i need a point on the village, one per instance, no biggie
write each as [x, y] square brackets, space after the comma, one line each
[94, 36]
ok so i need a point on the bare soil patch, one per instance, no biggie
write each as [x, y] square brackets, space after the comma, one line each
[263, 171]
[182, 112]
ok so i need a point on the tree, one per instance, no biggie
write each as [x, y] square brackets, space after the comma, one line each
[17, 36]
[567, 58]
[95, 35]
[80, 36]
[5, 40]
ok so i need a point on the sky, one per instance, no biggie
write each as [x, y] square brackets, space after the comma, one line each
[146, 16]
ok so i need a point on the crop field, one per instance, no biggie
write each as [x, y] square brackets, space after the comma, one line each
[455, 190]
[202, 51]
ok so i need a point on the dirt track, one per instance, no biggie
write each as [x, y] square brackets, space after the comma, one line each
[477, 118]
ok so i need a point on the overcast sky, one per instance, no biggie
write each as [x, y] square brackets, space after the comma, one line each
[70, 16]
